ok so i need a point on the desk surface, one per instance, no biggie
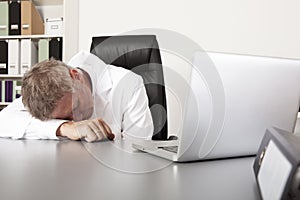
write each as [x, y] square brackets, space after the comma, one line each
[74, 170]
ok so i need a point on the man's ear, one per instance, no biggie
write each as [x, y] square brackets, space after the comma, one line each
[75, 75]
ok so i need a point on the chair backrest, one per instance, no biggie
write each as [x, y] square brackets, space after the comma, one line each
[140, 54]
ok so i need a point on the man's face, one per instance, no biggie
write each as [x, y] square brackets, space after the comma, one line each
[76, 106]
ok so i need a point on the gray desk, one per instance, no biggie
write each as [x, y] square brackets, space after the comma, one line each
[66, 170]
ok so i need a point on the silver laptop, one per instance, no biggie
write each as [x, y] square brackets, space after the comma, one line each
[231, 102]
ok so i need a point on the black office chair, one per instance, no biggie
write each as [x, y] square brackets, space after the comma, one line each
[139, 53]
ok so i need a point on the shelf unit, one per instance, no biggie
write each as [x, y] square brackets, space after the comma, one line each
[10, 77]
[3, 104]
[11, 37]
[48, 2]
[68, 10]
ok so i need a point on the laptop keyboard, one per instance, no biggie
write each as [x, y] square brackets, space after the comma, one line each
[173, 149]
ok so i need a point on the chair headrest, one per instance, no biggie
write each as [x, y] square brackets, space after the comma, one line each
[127, 51]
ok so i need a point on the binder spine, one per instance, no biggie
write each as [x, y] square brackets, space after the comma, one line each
[26, 25]
[3, 91]
[14, 91]
[3, 57]
[31, 21]
[43, 50]
[55, 48]
[14, 18]
[3, 18]
[13, 57]
[18, 89]
[28, 55]
[8, 91]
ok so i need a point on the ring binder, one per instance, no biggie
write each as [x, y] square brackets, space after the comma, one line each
[14, 18]
[31, 20]
[277, 165]
[3, 18]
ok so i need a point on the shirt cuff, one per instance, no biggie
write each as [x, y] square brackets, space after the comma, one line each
[43, 129]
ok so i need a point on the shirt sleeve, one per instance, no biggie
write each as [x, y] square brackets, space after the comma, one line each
[16, 123]
[137, 120]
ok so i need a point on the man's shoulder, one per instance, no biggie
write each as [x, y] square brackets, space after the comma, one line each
[120, 74]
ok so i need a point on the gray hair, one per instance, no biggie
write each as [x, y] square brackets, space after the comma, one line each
[44, 85]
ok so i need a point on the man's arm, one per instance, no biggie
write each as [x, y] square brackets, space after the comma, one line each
[16, 122]
[137, 120]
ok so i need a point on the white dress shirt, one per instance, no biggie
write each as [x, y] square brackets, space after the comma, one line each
[120, 99]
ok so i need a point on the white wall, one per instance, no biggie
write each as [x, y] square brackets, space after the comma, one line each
[257, 27]
[71, 19]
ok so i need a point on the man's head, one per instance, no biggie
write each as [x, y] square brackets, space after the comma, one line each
[53, 90]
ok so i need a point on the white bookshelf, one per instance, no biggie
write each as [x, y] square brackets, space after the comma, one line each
[48, 2]
[3, 104]
[11, 37]
[10, 77]
[68, 10]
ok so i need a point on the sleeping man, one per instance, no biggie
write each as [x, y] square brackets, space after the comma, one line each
[86, 99]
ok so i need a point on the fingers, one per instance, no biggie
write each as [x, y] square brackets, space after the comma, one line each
[97, 130]
[109, 133]
[92, 130]
[90, 136]
[106, 126]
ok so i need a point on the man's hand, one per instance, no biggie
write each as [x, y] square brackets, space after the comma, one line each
[90, 130]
